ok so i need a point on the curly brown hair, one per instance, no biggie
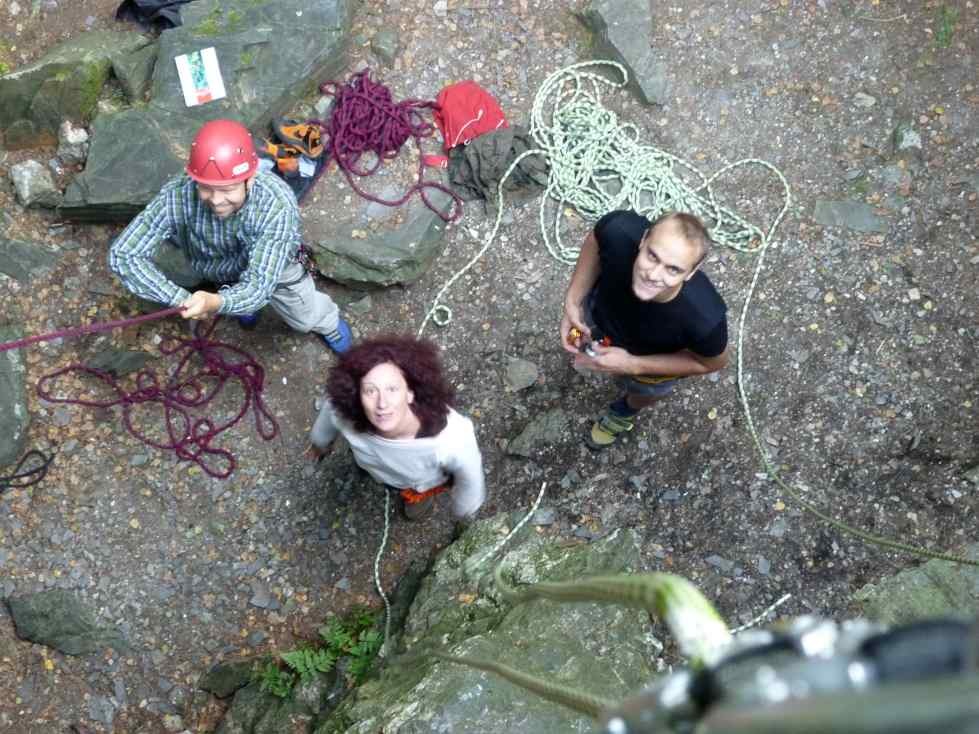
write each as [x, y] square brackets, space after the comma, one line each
[422, 369]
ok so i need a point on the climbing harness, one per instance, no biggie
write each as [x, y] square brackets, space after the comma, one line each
[191, 439]
[414, 497]
[598, 165]
[366, 119]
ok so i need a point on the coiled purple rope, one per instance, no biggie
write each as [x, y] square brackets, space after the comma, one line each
[191, 439]
[366, 118]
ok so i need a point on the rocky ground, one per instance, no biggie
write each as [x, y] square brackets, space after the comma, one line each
[859, 353]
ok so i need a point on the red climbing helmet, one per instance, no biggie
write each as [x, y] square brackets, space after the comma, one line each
[222, 153]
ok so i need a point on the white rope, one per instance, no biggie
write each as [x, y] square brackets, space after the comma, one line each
[377, 572]
[471, 565]
[761, 617]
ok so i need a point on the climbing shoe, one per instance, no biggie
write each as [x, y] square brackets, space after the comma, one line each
[302, 135]
[606, 430]
[247, 321]
[340, 339]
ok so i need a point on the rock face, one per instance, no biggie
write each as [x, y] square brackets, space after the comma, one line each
[57, 619]
[933, 589]
[14, 418]
[621, 31]
[382, 258]
[64, 84]
[255, 712]
[606, 650]
[225, 678]
[135, 71]
[262, 74]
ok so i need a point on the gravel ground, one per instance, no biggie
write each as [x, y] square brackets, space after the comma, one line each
[859, 356]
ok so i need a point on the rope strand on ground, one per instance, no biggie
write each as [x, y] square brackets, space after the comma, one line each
[189, 438]
[21, 477]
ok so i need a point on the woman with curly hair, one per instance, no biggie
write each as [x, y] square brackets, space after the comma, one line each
[389, 399]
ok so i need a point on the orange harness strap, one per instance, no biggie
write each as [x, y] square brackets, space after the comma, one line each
[413, 497]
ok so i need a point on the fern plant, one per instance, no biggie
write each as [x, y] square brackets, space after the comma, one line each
[307, 662]
[352, 637]
[363, 653]
[274, 680]
[336, 636]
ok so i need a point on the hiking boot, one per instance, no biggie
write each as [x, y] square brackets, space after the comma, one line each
[340, 339]
[418, 510]
[302, 135]
[247, 321]
[606, 430]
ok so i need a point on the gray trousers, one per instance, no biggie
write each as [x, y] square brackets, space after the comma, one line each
[300, 305]
[295, 297]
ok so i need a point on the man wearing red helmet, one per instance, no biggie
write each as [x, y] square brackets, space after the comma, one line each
[238, 227]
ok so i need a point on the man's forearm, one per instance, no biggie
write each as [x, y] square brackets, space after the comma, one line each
[676, 364]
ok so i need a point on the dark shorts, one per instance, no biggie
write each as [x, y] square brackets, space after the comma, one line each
[645, 385]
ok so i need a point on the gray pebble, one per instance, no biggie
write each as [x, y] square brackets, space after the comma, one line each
[544, 516]
[261, 596]
[257, 638]
[720, 563]
[778, 527]
[101, 709]
[119, 689]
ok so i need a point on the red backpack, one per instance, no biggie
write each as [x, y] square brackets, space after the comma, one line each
[465, 111]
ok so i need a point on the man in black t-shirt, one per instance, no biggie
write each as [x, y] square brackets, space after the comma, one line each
[639, 286]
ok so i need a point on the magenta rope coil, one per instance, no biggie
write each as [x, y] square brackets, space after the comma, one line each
[190, 438]
[366, 118]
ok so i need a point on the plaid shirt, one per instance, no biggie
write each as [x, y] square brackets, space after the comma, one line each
[248, 250]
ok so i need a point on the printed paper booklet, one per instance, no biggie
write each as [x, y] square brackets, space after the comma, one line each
[200, 76]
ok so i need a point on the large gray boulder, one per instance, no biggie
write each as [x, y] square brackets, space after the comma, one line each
[58, 619]
[14, 417]
[64, 84]
[270, 53]
[933, 589]
[348, 252]
[621, 30]
[23, 260]
[603, 649]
